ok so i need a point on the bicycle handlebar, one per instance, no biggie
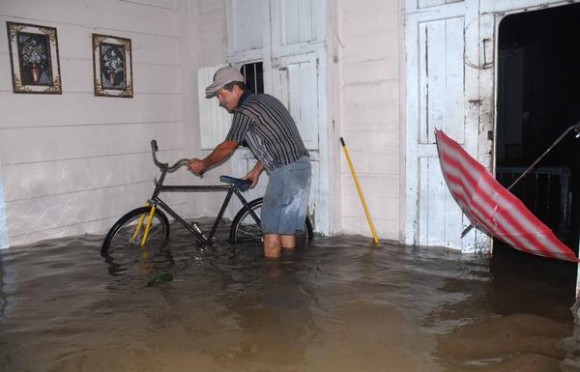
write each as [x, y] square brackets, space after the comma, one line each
[165, 166]
[240, 184]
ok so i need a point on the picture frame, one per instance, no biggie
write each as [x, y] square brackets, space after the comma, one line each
[112, 66]
[34, 58]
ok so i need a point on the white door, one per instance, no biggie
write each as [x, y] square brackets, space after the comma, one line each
[446, 58]
[295, 82]
[287, 35]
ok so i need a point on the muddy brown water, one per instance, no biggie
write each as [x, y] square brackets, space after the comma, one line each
[338, 304]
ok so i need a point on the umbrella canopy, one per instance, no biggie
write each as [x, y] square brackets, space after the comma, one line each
[491, 207]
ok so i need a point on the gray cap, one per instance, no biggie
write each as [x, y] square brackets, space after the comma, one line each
[223, 77]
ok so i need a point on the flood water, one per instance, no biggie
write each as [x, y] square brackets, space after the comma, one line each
[339, 304]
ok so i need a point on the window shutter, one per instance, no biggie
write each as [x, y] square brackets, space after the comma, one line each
[214, 121]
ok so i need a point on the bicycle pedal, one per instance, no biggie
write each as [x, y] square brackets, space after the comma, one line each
[196, 228]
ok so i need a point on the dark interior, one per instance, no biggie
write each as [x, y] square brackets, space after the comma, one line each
[538, 100]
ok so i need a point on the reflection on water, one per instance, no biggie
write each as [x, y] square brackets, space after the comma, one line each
[338, 304]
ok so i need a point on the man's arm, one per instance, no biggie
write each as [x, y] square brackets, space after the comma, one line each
[220, 154]
[254, 174]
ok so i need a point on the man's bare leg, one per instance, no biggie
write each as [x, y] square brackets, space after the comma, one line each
[288, 241]
[272, 245]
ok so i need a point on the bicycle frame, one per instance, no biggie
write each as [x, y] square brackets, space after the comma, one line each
[156, 202]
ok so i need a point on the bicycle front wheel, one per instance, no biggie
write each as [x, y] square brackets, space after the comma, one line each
[129, 230]
[246, 226]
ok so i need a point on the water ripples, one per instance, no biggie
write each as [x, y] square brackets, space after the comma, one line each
[337, 304]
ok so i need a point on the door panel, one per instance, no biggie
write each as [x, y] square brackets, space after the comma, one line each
[297, 21]
[245, 25]
[444, 92]
[441, 79]
[295, 83]
[438, 224]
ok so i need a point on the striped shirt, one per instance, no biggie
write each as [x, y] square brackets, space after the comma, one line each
[266, 126]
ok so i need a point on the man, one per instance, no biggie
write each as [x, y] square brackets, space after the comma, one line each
[262, 122]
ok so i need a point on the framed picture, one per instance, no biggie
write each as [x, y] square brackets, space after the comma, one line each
[34, 58]
[112, 65]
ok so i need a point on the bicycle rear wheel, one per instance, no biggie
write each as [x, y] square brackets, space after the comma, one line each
[127, 232]
[246, 225]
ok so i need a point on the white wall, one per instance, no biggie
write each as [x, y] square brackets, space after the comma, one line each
[370, 103]
[73, 163]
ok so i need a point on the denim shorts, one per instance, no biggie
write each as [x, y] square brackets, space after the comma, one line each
[286, 198]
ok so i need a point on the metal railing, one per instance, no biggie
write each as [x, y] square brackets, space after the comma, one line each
[545, 191]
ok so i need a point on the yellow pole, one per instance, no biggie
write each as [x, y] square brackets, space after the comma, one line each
[360, 194]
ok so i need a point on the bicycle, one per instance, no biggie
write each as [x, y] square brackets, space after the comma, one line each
[149, 225]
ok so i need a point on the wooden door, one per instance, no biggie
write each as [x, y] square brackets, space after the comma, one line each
[445, 62]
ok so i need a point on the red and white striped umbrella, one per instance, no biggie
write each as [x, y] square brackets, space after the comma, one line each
[492, 208]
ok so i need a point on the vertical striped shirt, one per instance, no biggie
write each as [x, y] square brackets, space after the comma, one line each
[266, 126]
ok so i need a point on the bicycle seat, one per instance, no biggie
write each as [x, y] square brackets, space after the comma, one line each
[240, 184]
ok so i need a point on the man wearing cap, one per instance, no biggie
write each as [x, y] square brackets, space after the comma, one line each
[265, 125]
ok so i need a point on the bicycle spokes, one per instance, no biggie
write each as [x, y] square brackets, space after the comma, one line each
[137, 228]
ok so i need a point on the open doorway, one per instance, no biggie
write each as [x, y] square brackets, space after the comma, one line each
[538, 99]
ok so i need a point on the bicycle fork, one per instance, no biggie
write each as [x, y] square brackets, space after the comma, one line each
[153, 205]
[147, 226]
